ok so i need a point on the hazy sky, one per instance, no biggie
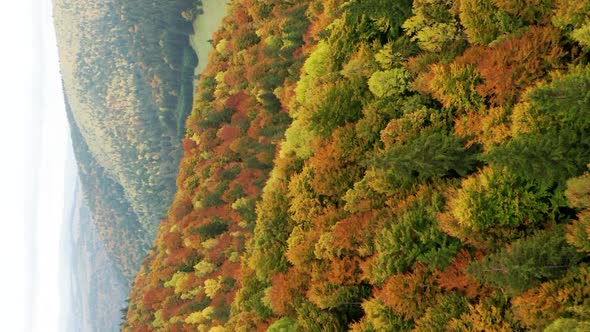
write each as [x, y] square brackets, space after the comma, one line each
[33, 143]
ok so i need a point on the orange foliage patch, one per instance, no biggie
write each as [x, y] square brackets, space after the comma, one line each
[154, 297]
[179, 257]
[285, 288]
[344, 271]
[188, 145]
[352, 232]
[246, 179]
[228, 133]
[408, 294]
[509, 67]
[181, 206]
[238, 102]
[455, 278]
[234, 77]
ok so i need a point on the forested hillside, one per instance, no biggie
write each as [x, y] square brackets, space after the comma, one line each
[127, 69]
[382, 165]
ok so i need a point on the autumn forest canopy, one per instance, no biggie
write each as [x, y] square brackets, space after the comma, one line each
[381, 166]
[360, 165]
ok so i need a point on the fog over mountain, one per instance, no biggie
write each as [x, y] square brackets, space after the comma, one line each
[67, 319]
[93, 291]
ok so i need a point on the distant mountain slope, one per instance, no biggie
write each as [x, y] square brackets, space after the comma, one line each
[127, 69]
[98, 291]
[379, 165]
[117, 225]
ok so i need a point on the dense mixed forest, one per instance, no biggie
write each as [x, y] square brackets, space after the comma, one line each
[381, 165]
[127, 70]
